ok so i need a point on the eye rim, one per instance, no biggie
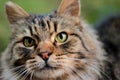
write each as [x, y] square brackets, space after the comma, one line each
[56, 38]
[28, 45]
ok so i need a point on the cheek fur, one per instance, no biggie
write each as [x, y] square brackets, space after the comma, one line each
[74, 55]
[65, 58]
[21, 54]
[20, 51]
[72, 45]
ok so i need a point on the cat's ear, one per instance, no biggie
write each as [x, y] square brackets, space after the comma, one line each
[15, 12]
[71, 7]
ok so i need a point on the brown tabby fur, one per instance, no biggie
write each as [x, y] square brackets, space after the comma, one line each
[80, 57]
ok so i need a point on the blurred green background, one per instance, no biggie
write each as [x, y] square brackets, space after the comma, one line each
[92, 11]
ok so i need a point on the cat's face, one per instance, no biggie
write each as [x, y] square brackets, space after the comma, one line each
[48, 46]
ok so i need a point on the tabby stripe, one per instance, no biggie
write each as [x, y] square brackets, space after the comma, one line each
[33, 20]
[48, 23]
[14, 45]
[80, 53]
[30, 28]
[43, 23]
[80, 40]
[35, 28]
[55, 26]
[12, 49]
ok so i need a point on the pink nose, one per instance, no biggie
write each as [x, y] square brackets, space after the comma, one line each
[45, 55]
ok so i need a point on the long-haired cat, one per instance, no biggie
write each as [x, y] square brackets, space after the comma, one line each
[57, 46]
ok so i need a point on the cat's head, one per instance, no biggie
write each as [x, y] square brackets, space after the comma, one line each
[50, 46]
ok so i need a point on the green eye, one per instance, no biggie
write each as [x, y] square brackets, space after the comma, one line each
[61, 37]
[28, 42]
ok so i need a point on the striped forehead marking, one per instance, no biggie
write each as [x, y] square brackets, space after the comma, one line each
[45, 23]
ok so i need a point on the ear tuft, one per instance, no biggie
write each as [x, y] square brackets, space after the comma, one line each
[71, 7]
[15, 12]
[9, 3]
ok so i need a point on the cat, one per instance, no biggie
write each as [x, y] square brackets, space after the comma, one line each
[57, 46]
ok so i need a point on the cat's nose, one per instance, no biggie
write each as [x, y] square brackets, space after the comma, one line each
[45, 55]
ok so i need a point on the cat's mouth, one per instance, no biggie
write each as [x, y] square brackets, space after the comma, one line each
[46, 71]
[34, 65]
[48, 67]
[44, 68]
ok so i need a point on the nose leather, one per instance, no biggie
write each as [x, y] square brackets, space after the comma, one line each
[45, 50]
[45, 55]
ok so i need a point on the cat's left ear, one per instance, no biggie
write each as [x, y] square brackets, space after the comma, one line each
[15, 12]
[71, 7]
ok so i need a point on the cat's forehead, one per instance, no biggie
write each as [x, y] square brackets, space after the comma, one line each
[55, 21]
[40, 18]
[45, 26]
[44, 22]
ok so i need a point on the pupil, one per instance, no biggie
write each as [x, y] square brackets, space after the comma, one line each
[61, 37]
[29, 41]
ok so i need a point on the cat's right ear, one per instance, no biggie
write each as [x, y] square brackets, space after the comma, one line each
[71, 7]
[15, 12]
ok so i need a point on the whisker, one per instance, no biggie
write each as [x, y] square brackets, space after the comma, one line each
[93, 68]
[15, 74]
[25, 70]
[11, 70]
[26, 75]
[19, 71]
[74, 72]
[32, 73]
[35, 65]
[102, 72]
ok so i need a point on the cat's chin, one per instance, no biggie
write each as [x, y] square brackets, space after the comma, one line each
[48, 73]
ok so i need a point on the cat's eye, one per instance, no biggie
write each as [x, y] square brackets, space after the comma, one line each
[61, 37]
[28, 42]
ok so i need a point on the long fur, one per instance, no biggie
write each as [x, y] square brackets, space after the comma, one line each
[80, 57]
